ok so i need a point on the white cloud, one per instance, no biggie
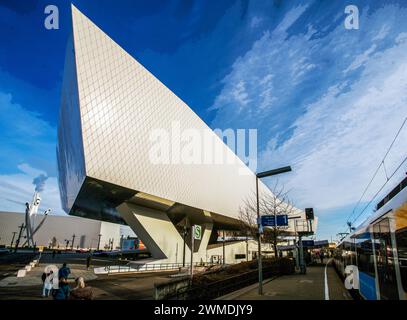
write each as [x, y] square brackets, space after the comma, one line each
[361, 59]
[250, 82]
[332, 126]
[17, 188]
[289, 19]
[343, 135]
[26, 138]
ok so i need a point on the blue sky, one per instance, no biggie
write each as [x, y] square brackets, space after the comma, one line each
[324, 99]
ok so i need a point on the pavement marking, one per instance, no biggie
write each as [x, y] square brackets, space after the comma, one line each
[326, 281]
[306, 281]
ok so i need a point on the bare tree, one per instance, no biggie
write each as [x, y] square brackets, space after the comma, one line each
[273, 203]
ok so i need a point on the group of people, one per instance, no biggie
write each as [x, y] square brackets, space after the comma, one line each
[320, 256]
[63, 291]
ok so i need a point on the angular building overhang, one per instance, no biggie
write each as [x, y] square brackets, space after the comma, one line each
[110, 106]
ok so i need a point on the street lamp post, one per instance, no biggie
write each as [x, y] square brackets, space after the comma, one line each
[223, 248]
[73, 240]
[99, 236]
[259, 259]
[184, 234]
[12, 239]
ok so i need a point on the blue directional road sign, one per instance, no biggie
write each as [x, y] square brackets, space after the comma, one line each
[269, 220]
[308, 243]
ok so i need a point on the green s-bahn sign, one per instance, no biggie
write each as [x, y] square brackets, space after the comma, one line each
[197, 230]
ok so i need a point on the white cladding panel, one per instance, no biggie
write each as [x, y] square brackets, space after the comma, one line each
[121, 103]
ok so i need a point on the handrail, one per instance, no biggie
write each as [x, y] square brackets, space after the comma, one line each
[152, 266]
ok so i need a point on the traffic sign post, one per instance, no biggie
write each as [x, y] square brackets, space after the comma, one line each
[259, 176]
[196, 234]
[303, 269]
[270, 220]
[307, 243]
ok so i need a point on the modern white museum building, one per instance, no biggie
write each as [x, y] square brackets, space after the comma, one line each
[111, 107]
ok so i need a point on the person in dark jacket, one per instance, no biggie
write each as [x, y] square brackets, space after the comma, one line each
[322, 256]
[81, 291]
[64, 272]
[62, 293]
[88, 261]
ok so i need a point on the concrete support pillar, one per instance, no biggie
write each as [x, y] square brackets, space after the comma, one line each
[159, 234]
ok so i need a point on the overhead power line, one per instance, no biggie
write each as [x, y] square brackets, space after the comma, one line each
[375, 174]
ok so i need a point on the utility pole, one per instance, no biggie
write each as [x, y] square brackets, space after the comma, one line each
[73, 240]
[183, 253]
[259, 176]
[99, 241]
[260, 262]
[192, 253]
[354, 240]
[19, 236]
[223, 244]
[12, 239]
[247, 248]
[275, 234]
[302, 264]
[186, 226]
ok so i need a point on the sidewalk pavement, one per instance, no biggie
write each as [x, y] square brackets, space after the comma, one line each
[310, 286]
[33, 277]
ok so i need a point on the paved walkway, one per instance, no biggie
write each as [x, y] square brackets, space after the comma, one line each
[297, 287]
[115, 287]
[33, 277]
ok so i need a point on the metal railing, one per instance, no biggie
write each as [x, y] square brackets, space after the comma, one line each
[221, 287]
[151, 267]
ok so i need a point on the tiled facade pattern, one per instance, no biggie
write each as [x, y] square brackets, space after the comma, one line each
[121, 102]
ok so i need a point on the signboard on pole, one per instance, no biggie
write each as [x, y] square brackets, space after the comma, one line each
[307, 243]
[282, 220]
[270, 220]
[197, 231]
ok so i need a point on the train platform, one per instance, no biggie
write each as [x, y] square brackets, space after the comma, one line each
[319, 283]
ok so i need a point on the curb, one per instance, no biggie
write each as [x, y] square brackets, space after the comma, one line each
[235, 294]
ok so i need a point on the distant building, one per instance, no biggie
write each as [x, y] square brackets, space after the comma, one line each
[58, 229]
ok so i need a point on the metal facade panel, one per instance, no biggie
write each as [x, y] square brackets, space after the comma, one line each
[121, 103]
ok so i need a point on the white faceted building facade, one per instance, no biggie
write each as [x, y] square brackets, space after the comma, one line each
[111, 106]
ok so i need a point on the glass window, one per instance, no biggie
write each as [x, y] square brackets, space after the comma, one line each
[365, 254]
[385, 261]
[401, 240]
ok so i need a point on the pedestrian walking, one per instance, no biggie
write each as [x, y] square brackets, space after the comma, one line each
[322, 256]
[64, 272]
[62, 293]
[88, 261]
[47, 283]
